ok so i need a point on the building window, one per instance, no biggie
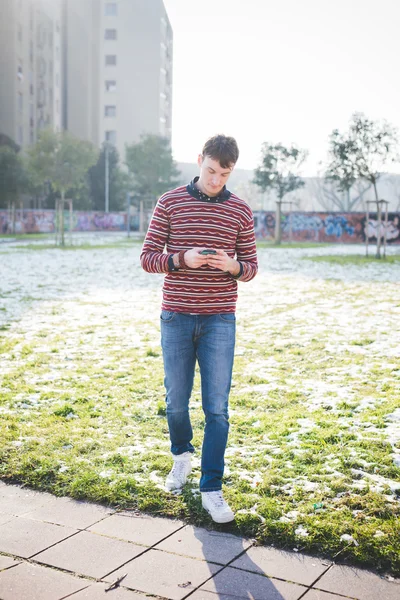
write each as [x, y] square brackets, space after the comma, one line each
[20, 102]
[111, 86]
[110, 9]
[20, 135]
[20, 75]
[111, 59]
[110, 34]
[110, 111]
[111, 136]
[31, 111]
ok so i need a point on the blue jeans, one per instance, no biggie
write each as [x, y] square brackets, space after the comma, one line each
[211, 340]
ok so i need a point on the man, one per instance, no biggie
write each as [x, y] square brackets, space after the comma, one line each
[209, 237]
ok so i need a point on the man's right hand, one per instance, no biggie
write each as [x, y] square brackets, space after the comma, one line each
[193, 258]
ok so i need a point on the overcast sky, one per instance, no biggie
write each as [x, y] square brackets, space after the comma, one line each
[281, 71]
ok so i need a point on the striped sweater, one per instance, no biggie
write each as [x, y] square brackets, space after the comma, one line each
[180, 222]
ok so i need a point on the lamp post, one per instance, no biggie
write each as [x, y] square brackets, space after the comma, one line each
[107, 178]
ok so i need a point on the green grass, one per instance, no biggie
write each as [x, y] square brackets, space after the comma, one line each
[82, 409]
[355, 259]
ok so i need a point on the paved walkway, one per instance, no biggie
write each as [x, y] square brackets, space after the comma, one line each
[55, 548]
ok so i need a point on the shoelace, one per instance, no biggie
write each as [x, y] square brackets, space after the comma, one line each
[218, 500]
[178, 470]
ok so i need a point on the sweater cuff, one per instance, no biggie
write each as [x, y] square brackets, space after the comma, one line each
[238, 276]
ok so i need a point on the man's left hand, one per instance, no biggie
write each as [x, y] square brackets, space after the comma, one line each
[223, 262]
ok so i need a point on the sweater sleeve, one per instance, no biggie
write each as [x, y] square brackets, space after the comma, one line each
[152, 258]
[246, 249]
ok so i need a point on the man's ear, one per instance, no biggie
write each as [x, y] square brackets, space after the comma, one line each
[200, 160]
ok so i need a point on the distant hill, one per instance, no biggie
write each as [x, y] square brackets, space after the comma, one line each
[316, 195]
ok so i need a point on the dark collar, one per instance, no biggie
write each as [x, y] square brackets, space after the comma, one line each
[194, 191]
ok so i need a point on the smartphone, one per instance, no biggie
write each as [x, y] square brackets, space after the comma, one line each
[208, 252]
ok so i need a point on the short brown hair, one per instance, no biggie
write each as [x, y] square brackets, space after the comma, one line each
[222, 148]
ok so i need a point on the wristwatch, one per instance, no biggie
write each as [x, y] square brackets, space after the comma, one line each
[171, 266]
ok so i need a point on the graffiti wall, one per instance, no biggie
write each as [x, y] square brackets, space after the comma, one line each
[43, 221]
[297, 226]
[327, 227]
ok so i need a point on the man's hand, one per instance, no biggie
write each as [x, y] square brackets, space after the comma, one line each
[193, 258]
[223, 262]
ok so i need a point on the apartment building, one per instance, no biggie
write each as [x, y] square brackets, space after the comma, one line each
[117, 70]
[30, 68]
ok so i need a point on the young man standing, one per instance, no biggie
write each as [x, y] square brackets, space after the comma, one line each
[208, 234]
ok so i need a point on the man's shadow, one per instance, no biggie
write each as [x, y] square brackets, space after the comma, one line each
[230, 582]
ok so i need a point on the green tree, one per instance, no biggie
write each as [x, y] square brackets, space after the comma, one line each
[14, 177]
[63, 160]
[119, 182]
[279, 171]
[362, 153]
[151, 166]
[5, 140]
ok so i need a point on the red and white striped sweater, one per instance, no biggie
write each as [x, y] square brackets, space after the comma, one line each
[181, 222]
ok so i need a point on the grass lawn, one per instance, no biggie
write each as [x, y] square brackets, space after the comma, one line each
[314, 447]
[356, 259]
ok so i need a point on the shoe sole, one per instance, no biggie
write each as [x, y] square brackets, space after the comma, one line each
[227, 519]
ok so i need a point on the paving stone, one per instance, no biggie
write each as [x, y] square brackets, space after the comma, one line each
[359, 584]
[139, 529]
[236, 584]
[17, 501]
[89, 554]
[211, 546]
[32, 582]
[165, 575]
[97, 590]
[4, 518]
[318, 595]
[65, 511]
[7, 561]
[283, 565]
[24, 537]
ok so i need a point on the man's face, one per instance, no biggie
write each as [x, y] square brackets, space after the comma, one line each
[213, 177]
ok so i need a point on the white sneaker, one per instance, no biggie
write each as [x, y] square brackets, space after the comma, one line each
[215, 504]
[178, 475]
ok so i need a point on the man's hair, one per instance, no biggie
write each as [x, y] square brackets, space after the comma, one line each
[222, 148]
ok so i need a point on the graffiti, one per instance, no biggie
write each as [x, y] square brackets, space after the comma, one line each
[344, 228]
[43, 221]
[336, 225]
[297, 227]
[392, 229]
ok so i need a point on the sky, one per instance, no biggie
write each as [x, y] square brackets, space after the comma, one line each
[286, 71]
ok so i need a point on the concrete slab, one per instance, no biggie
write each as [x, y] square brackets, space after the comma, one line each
[17, 501]
[7, 561]
[283, 565]
[4, 518]
[25, 538]
[233, 583]
[318, 595]
[32, 582]
[212, 546]
[359, 584]
[68, 512]
[165, 575]
[138, 529]
[89, 554]
[97, 590]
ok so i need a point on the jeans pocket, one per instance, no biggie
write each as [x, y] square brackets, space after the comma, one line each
[228, 317]
[167, 316]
